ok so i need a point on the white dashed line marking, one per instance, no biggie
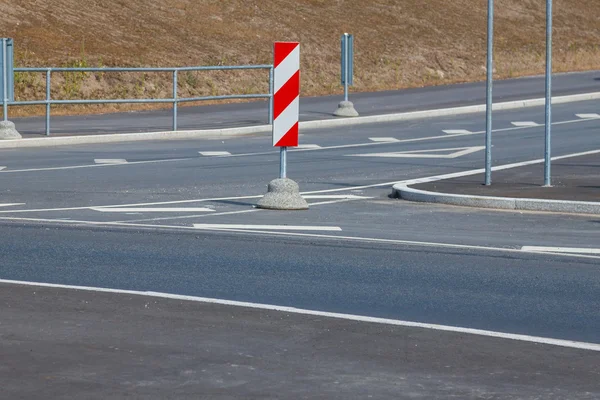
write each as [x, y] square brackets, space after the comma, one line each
[383, 139]
[269, 227]
[525, 123]
[214, 153]
[110, 161]
[308, 146]
[588, 116]
[138, 210]
[456, 131]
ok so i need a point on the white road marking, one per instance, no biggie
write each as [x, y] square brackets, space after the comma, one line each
[11, 204]
[525, 123]
[269, 227]
[214, 153]
[455, 152]
[308, 146]
[1, 168]
[110, 161]
[349, 317]
[383, 139]
[456, 131]
[588, 116]
[153, 209]
[570, 250]
[334, 196]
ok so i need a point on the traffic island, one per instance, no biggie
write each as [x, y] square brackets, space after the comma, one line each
[8, 131]
[283, 194]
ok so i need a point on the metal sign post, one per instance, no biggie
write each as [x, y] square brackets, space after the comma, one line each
[4, 66]
[548, 120]
[489, 83]
[346, 108]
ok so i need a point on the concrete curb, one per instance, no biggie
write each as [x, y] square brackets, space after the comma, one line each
[505, 203]
[327, 123]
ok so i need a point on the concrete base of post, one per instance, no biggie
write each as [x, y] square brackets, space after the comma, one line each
[283, 194]
[345, 109]
[8, 131]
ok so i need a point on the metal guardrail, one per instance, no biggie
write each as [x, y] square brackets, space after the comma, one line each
[175, 99]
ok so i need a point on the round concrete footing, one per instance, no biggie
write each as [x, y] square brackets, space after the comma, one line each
[8, 131]
[345, 109]
[283, 194]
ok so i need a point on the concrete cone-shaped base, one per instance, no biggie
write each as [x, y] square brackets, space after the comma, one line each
[8, 131]
[345, 109]
[283, 194]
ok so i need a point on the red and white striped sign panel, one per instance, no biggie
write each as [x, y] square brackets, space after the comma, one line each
[286, 101]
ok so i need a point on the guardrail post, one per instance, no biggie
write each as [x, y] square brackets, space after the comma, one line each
[48, 74]
[175, 100]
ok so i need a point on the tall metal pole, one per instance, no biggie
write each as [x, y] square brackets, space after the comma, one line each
[346, 68]
[489, 83]
[4, 82]
[548, 144]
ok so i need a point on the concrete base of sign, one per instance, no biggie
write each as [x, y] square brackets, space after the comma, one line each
[8, 131]
[345, 109]
[283, 194]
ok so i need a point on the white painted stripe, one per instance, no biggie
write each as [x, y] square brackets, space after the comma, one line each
[286, 120]
[456, 152]
[269, 227]
[350, 317]
[525, 123]
[214, 153]
[110, 161]
[287, 68]
[456, 131]
[11, 204]
[1, 168]
[334, 196]
[153, 209]
[308, 146]
[383, 139]
[570, 250]
[588, 116]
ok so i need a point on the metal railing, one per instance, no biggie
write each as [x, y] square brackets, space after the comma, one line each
[174, 100]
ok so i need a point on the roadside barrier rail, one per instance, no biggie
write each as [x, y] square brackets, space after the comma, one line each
[174, 100]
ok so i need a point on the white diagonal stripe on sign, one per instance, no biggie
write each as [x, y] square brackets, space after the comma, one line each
[288, 67]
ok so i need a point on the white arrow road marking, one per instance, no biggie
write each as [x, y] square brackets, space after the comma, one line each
[454, 153]
[570, 250]
[308, 146]
[11, 204]
[456, 131]
[268, 227]
[525, 123]
[383, 139]
[151, 209]
[110, 161]
[1, 168]
[214, 153]
[588, 116]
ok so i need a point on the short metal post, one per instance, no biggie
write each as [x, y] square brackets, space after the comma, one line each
[283, 162]
[548, 120]
[175, 100]
[48, 74]
[271, 90]
[4, 81]
[489, 84]
[346, 69]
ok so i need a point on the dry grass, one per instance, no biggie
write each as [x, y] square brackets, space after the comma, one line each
[399, 43]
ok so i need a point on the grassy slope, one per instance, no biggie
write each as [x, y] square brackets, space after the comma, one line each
[399, 43]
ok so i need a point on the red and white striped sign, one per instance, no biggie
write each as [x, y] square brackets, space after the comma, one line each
[286, 101]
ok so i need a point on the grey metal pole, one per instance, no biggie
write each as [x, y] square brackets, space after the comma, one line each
[271, 90]
[4, 82]
[283, 162]
[548, 122]
[346, 69]
[175, 100]
[48, 73]
[489, 84]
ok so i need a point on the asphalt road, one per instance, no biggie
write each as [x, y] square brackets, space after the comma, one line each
[314, 108]
[138, 225]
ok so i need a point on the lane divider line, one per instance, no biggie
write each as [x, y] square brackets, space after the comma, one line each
[269, 227]
[110, 161]
[525, 124]
[349, 317]
[151, 209]
[570, 250]
[214, 153]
